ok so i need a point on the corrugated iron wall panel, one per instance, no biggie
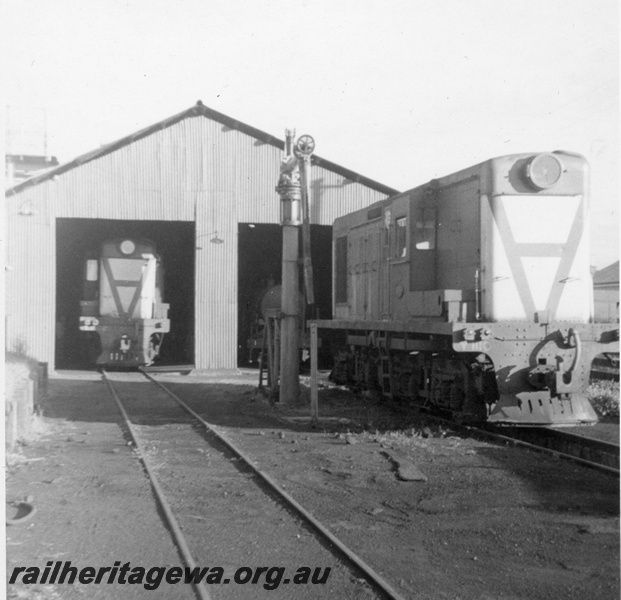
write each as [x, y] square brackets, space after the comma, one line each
[216, 264]
[256, 179]
[257, 176]
[145, 180]
[196, 169]
[30, 278]
[332, 196]
[240, 179]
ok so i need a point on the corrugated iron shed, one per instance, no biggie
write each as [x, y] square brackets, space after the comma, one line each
[198, 166]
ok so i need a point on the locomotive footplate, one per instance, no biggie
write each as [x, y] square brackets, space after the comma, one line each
[542, 370]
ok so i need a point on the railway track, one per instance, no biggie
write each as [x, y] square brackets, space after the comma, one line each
[597, 454]
[589, 452]
[166, 409]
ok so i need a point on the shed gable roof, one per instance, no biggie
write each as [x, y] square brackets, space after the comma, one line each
[199, 109]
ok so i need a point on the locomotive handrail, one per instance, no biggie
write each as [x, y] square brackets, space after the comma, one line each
[578, 353]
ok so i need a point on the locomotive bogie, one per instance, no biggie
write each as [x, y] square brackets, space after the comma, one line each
[505, 373]
[484, 277]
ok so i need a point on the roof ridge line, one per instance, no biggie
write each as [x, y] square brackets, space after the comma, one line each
[199, 109]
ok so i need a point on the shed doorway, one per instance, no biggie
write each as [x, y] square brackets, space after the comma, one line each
[260, 265]
[78, 238]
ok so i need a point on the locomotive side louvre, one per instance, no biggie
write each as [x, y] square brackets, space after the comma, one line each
[477, 297]
[123, 305]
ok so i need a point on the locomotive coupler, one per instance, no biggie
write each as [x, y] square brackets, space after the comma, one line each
[543, 377]
[125, 343]
[554, 377]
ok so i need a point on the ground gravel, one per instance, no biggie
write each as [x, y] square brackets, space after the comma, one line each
[483, 521]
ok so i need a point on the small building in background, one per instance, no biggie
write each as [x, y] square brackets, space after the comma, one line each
[19, 167]
[26, 147]
[606, 294]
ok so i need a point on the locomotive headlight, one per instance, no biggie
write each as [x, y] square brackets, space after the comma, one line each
[127, 247]
[544, 170]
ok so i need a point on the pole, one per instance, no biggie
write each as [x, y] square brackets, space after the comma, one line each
[306, 232]
[314, 390]
[290, 327]
[290, 193]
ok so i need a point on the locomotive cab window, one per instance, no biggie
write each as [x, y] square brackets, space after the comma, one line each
[92, 268]
[400, 237]
[424, 229]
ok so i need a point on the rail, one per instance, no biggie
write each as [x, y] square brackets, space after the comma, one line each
[366, 569]
[369, 573]
[595, 454]
[171, 520]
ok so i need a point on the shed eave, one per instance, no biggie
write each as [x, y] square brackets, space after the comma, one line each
[199, 109]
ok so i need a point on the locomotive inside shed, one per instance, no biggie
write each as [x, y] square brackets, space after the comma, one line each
[260, 265]
[78, 239]
[259, 260]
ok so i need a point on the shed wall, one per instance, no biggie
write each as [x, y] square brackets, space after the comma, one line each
[195, 170]
[30, 277]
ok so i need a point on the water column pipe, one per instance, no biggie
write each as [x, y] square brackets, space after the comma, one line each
[290, 191]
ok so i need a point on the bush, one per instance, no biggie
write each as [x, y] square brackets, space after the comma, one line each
[604, 397]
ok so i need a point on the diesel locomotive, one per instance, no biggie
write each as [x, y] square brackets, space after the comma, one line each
[123, 302]
[473, 295]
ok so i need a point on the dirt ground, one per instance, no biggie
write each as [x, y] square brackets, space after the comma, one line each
[480, 522]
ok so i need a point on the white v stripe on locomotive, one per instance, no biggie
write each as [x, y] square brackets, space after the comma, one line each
[126, 293]
[530, 277]
[115, 286]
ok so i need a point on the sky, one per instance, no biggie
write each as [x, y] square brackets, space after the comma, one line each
[400, 91]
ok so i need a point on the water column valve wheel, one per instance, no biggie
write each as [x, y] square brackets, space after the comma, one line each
[305, 145]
